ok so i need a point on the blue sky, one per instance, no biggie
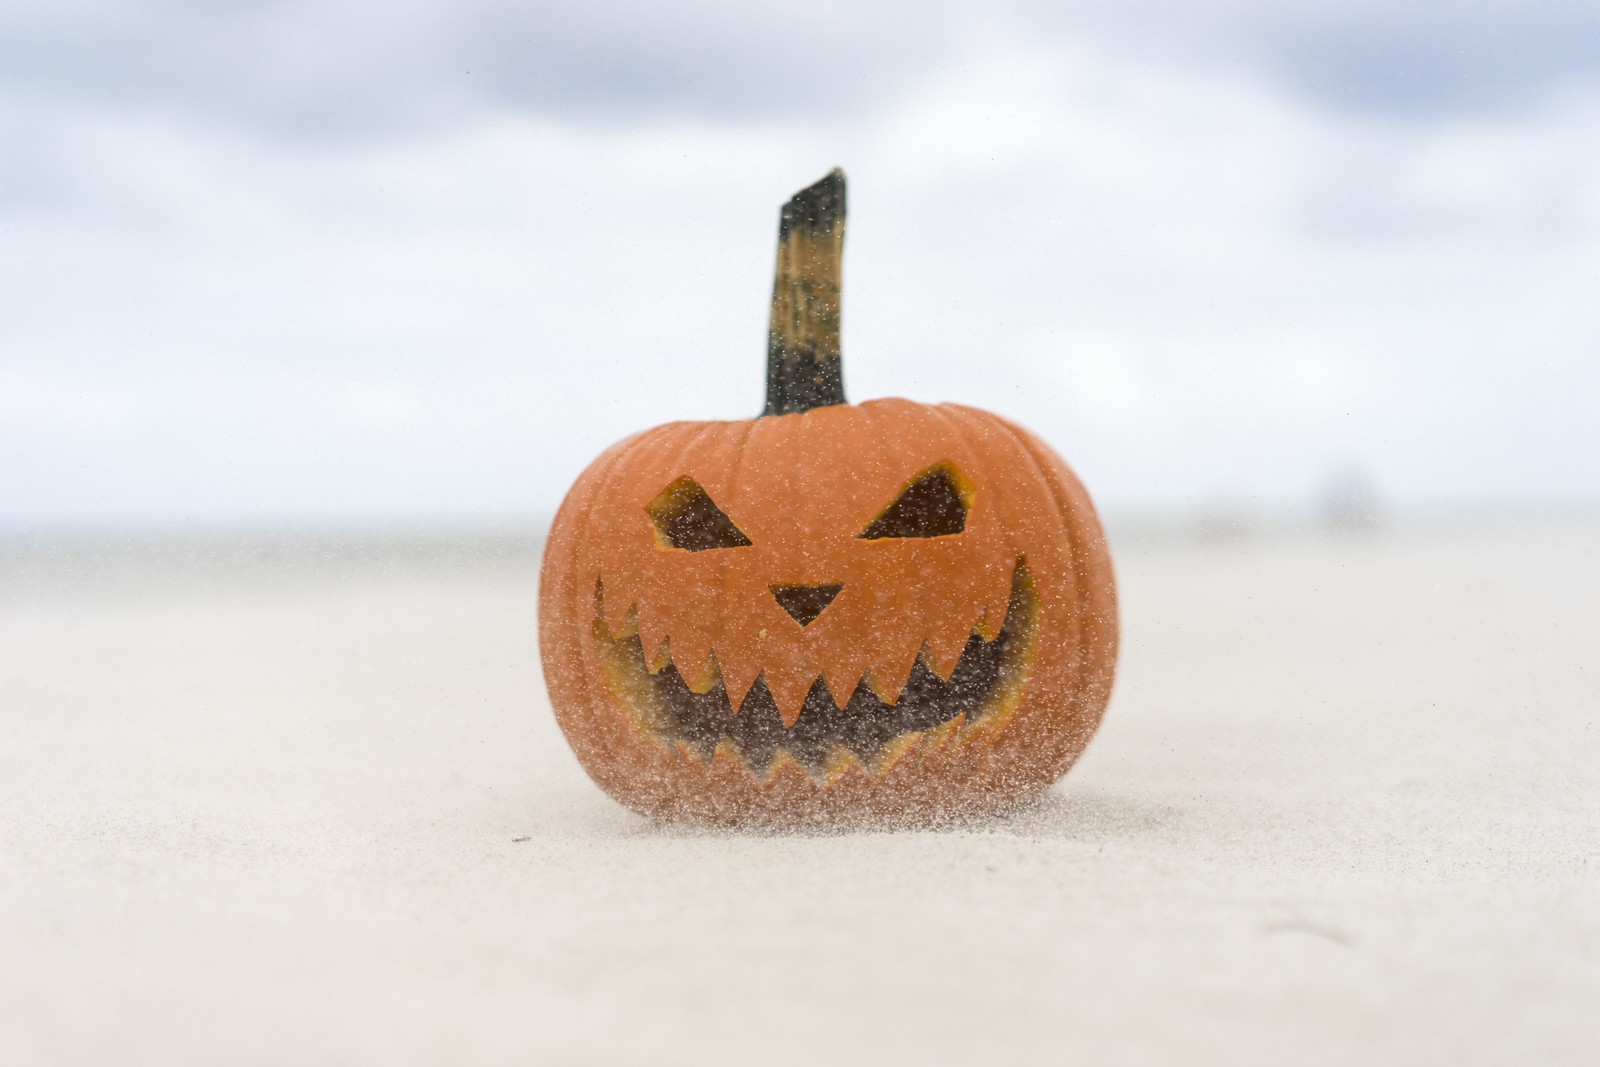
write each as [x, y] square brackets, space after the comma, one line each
[360, 262]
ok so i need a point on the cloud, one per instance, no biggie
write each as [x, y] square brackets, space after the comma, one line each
[1431, 61]
[307, 68]
[1183, 276]
[342, 69]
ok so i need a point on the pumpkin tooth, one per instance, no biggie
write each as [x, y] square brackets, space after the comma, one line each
[936, 737]
[726, 759]
[657, 650]
[701, 679]
[785, 769]
[893, 752]
[886, 686]
[929, 662]
[789, 694]
[620, 613]
[737, 678]
[850, 664]
[694, 658]
[625, 627]
[941, 654]
[839, 762]
[841, 684]
[988, 626]
[995, 610]
[888, 681]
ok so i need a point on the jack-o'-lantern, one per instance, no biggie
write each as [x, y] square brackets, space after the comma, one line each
[889, 610]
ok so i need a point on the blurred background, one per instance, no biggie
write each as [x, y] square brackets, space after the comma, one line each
[311, 311]
[352, 263]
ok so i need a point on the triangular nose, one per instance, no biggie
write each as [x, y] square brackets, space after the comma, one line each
[804, 602]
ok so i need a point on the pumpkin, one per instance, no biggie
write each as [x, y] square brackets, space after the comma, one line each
[886, 611]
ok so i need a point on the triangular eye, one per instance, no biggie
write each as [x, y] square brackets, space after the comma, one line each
[687, 518]
[931, 506]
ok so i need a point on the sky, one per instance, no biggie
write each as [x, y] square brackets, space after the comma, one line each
[421, 261]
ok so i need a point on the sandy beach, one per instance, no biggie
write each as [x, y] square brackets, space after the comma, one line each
[308, 806]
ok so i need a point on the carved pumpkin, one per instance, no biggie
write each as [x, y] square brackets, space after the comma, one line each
[888, 609]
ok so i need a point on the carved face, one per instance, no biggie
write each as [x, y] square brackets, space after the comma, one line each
[888, 608]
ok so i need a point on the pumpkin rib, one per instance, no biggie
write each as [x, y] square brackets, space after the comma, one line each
[900, 440]
[728, 474]
[1037, 705]
[1093, 651]
[688, 436]
[735, 476]
[772, 434]
[778, 432]
[593, 699]
[614, 722]
[1097, 602]
[982, 424]
[970, 460]
[917, 604]
[1078, 512]
[625, 759]
[871, 657]
[593, 534]
[1071, 637]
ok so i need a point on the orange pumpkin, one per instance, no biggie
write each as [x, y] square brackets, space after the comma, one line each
[888, 610]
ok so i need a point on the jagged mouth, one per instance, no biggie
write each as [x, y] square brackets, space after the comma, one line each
[987, 680]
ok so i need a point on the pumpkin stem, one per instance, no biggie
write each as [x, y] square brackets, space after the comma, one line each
[803, 332]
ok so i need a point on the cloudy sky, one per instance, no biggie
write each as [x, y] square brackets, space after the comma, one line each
[421, 260]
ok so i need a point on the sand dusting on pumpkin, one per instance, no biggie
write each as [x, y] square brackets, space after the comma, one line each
[1343, 809]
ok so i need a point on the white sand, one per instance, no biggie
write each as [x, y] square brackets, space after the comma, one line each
[1345, 809]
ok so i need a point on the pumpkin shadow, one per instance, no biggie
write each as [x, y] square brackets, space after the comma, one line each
[1085, 814]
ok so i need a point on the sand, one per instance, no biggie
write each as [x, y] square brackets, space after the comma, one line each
[307, 808]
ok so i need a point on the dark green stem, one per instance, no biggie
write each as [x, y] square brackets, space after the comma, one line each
[803, 332]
